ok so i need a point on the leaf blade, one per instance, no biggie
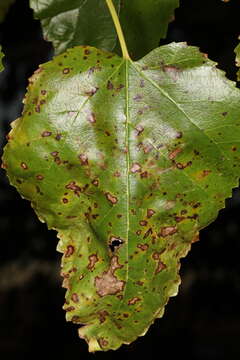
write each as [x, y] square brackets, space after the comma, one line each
[137, 149]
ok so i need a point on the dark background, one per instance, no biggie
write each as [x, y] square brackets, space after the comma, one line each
[203, 321]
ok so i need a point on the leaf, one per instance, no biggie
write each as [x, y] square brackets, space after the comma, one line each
[237, 51]
[1, 56]
[76, 22]
[4, 7]
[88, 22]
[127, 161]
[145, 23]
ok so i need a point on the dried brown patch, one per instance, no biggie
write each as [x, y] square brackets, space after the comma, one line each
[108, 283]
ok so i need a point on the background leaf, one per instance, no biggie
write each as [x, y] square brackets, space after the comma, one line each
[127, 161]
[88, 22]
[76, 22]
[237, 51]
[4, 6]
[145, 23]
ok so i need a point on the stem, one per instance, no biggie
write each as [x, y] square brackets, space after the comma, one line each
[118, 29]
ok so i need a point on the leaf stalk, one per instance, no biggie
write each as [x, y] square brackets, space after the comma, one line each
[118, 29]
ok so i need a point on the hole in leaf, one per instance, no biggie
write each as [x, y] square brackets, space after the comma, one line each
[115, 243]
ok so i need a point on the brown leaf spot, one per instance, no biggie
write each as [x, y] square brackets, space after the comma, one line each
[179, 135]
[91, 92]
[150, 213]
[110, 85]
[147, 233]
[83, 159]
[72, 186]
[70, 308]
[24, 166]
[135, 168]
[46, 133]
[117, 174]
[133, 301]
[76, 319]
[91, 118]
[66, 70]
[93, 259]
[143, 247]
[182, 166]
[138, 232]
[69, 251]
[103, 342]
[75, 298]
[65, 201]
[168, 231]
[103, 315]
[54, 153]
[160, 265]
[108, 283]
[137, 97]
[143, 222]
[95, 182]
[111, 198]
[139, 129]
[58, 137]
[144, 174]
[174, 153]
[206, 173]
[37, 108]
[43, 92]
[39, 177]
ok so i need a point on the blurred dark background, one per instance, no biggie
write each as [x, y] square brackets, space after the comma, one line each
[203, 321]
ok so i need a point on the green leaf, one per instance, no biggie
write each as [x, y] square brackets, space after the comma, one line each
[4, 7]
[76, 22]
[145, 23]
[127, 161]
[88, 22]
[237, 51]
[1, 56]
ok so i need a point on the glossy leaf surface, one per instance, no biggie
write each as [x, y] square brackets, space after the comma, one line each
[88, 22]
[127, 161]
